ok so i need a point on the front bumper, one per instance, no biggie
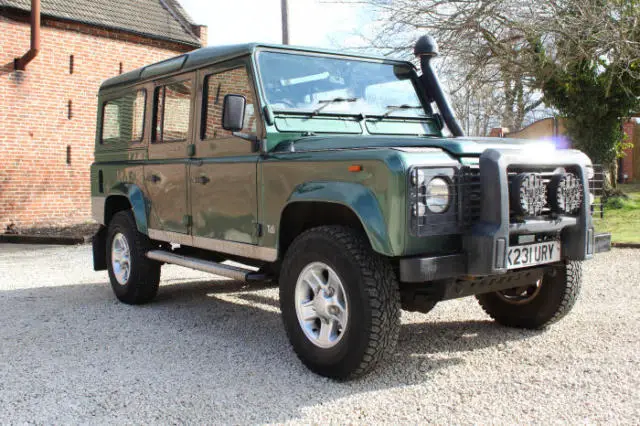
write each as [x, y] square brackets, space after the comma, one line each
[486, 243]
[424, 269]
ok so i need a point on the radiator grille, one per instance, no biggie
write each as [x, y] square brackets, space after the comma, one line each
[471, 192]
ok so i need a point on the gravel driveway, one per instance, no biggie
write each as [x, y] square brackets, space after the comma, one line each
[210, 350]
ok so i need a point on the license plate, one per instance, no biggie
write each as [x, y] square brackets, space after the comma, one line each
[533, 254]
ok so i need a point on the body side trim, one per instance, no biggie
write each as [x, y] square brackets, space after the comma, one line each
[229, 247]
[170, 237]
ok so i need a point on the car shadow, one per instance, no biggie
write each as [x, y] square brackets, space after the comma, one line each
[219, 337]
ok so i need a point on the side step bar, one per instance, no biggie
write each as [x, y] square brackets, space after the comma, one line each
[229, 271]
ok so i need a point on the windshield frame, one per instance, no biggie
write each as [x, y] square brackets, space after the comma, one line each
[413, 77]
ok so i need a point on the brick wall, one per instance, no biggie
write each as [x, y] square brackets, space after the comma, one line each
[202, 32]
[629, 128]
[38, 185]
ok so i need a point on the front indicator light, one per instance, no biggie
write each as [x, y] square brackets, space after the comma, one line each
[419, 209]
[417, 177]
[438, 195]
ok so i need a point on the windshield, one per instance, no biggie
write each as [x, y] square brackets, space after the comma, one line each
[325, 85]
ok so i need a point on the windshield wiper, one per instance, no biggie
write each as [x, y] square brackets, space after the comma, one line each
[328, 102]
[393, 108]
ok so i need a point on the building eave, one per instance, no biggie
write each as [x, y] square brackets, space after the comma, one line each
[13, 11]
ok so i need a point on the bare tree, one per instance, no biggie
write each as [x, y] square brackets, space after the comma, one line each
[481, 51]
[507, 57]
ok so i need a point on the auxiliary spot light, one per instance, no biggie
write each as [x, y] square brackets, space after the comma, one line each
[565, 193]
[528, 194]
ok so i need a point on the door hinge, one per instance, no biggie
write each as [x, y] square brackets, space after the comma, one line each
[259, 230]
[187, 220]
[191, 150]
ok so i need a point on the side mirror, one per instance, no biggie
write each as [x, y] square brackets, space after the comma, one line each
[233, 112]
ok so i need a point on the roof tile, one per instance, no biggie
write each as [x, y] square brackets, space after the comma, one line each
[146, 17]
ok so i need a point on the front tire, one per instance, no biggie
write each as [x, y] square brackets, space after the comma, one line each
[340, 302]
[134, 277]
[540, 304]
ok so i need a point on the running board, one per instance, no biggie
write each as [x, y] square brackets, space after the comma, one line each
[228, 271]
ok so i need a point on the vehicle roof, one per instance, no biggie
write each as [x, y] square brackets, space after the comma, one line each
[210, 55]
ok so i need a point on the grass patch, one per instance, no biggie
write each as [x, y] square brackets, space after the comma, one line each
[622, 216]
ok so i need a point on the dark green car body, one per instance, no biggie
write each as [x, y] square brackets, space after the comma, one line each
[248, 198]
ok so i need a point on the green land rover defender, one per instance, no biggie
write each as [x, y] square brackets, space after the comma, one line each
[330, 175]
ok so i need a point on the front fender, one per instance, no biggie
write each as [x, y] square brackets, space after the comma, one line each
[137, 200]
[361, 200]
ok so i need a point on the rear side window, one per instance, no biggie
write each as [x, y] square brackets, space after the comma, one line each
[172, 112]
[123, 118]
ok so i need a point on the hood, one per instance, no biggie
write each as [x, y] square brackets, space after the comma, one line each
[461, 146]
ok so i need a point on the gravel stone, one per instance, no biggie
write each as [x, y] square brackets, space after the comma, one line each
[212, 350]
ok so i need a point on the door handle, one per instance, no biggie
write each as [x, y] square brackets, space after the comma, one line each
[154, 178]
[201, 179]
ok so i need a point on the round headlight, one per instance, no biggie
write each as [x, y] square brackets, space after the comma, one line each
[438, 195]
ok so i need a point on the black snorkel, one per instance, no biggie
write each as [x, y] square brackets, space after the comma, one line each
[426, 48]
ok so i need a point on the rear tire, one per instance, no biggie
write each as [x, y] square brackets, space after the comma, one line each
[539, 307]
[333, 270]
[134, 277]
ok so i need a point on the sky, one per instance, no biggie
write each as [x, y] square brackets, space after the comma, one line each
[311, 22]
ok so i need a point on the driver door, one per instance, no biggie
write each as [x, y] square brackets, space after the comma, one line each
[223, 172]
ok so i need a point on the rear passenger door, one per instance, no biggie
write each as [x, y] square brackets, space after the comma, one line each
[223, 172]
[166, 170]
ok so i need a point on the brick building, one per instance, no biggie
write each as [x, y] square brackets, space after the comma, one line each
[48, 110]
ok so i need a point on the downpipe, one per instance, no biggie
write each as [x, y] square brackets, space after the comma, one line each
[20, 64]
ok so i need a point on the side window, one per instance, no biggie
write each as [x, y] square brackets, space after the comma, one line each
[172, 108]
[123, 118]
[216, 86]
